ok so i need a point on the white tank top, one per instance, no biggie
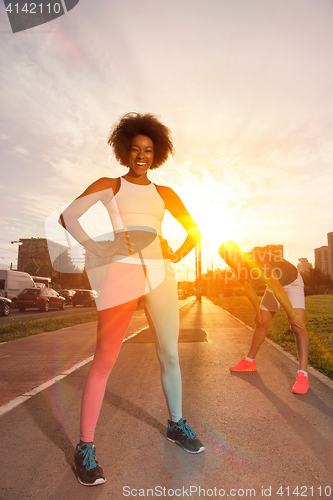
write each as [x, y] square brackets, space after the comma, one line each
[136, 205]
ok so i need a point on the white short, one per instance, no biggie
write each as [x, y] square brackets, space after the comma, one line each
[295, 292]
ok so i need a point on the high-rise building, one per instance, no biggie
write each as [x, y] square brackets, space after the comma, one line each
[330, 253]
[304, 265]
[324, 256]
[321, 258]
[32, 249]
[43, 251]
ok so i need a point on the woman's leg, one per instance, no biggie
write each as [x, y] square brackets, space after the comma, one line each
[302, 342]
[111, 328]
[162, 311]
[295, 292]
[122, 286]
[259, 333]
[268, 307]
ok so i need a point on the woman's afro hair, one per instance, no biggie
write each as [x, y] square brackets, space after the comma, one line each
[133, 124]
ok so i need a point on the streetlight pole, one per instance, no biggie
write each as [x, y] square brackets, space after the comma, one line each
[198, 271]
[18, 243]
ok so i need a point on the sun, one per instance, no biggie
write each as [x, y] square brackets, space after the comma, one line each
[208, 204]
[209, 210]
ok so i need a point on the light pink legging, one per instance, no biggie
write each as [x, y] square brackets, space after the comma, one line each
[162, 311]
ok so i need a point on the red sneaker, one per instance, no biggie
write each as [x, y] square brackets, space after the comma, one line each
[244, 366]
[301, 385]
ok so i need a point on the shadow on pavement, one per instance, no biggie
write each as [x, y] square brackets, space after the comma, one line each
[134, 411]
[45, 418]
[307, 432]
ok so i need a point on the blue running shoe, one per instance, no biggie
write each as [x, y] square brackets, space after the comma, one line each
[88, 472]
[184, 436]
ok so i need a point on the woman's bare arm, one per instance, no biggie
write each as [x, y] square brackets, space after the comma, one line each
[101, 190]
[178, 210]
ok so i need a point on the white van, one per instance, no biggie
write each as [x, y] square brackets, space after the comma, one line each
[13, 282]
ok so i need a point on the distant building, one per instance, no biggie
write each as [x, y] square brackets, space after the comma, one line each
[43, 251]
[273, 249]
[321, 259]
[324, 256]
[304, 265]
[330, 253]
[32, 249]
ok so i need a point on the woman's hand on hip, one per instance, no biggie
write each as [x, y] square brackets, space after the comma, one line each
[120, 246]
[167, 251]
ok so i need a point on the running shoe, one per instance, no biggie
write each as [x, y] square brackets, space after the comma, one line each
[244, 366]
[301, 385]
[184, 436]
[88, 471]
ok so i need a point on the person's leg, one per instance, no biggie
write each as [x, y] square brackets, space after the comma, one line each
[111, 328]
[122, 286]
[260, 333]
[116, 305]
[295, 292]
[248, 363]
[268, 307]
[162, 310]
[302, 342]
[301, 384]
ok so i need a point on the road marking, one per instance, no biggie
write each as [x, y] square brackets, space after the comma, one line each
[27, 395]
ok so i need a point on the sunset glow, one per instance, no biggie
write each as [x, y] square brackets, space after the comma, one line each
[247, 95]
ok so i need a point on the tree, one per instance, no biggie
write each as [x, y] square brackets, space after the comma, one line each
[316, 282]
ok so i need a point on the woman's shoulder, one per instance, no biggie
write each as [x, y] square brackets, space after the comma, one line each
[103, 189]
[172, 201]
[166, 192]
[103, 184]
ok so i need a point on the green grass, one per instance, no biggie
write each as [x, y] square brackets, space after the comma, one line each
[319, 324]
[12, 331]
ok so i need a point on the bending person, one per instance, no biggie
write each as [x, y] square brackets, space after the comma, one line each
[136, 265]
[284, 287]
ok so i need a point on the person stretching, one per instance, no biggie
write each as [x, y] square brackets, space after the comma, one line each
[284, 286]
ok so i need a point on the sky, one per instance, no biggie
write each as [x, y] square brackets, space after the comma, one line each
[246, 88]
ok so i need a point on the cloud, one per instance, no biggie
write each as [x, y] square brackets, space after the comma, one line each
[246, 91]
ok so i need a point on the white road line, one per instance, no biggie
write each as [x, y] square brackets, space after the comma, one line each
[27, 395]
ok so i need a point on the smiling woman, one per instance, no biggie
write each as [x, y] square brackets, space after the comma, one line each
[136, 264]
[147, 125]
[141, 155]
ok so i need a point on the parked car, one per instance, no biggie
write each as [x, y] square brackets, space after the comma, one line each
[84, 298]
[5, 306]
[40, 298]
[68, 295]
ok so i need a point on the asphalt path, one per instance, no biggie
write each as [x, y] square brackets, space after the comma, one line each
[17, 316]
[262, 441]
